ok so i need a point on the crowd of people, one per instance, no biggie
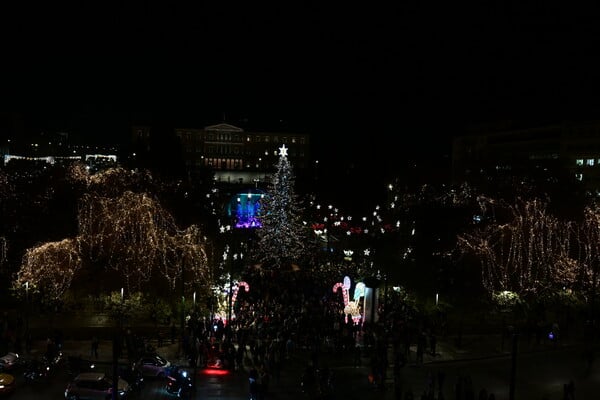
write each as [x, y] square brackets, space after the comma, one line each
[290, 311]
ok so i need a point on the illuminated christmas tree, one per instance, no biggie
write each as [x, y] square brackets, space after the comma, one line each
[283, 236]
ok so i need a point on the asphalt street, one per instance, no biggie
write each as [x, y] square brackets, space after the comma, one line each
[540, 373]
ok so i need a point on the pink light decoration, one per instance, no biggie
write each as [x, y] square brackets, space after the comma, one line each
[344, 291]
[235, 291]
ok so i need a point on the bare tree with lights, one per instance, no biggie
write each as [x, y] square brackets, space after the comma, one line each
[528, 255]
[49, 268]
[588, 252]
[134, 235]
[128, 239]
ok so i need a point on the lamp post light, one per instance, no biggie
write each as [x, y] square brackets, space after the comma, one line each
[117, 341]
[227, 258]
[26, 310]
[182, 322]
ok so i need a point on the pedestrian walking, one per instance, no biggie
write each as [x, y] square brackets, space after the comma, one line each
[421, 342]
[253, 384]
[173, 333]
[95, 345]
[357, 356]
[432, 343]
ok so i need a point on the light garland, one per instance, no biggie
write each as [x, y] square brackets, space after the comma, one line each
[528, 255]
[134, 235]
[129, 233]
[49, 268]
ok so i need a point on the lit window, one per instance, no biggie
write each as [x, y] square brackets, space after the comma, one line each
[579, 177]
[589, 162]
[579, 161]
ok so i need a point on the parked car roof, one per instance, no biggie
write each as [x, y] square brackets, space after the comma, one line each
[90, 376]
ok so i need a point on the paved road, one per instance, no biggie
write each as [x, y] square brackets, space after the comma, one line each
[542, 370]
[539, 374]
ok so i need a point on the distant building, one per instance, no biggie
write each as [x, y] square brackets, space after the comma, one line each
[568, 150]
[57, 148]
[234, 155]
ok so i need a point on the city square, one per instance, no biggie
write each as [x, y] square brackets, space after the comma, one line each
[299, 201]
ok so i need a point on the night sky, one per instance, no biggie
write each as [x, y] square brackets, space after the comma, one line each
[411, 75]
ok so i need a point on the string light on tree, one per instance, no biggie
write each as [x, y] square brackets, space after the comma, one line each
[283, 237]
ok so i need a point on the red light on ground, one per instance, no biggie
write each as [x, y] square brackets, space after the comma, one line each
[214, 372]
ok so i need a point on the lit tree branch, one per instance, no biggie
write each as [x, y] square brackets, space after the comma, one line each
[50, 268]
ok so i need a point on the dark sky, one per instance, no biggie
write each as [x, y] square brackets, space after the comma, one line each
[411, 74]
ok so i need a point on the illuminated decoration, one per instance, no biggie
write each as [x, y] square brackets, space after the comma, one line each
[353, 310]
[237, 288]
[348, 255]
[359, 291]
[588, 254]
[345, 295]
[245, 209]
[528, 255]
[350, 307]
[283, 151]
[134, 235]
[129, 233]
[101, 157]
[283, 238]
[50, 268]
[47, 159]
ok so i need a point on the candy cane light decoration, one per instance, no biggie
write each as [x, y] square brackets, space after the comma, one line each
[344, 291]
[237, 288]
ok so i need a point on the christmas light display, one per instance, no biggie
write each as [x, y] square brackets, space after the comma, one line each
[283, 237]
[528, 255]
[245, 209]
[134, 235]
[237, 288]
[49, 268]
[588, 252]
[130, 233]
[350, 307]
[345, 296]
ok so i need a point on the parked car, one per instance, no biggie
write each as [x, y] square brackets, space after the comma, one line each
[154, 366]
[132, 375]
[9, 361]
[95, 385]
[7, 383]
[77, 365]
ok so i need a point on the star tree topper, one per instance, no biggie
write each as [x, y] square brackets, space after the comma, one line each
[283, 151]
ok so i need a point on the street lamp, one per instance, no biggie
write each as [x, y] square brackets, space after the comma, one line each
[182, 322]
[117, 348]
[26, 310]
[227, 258]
